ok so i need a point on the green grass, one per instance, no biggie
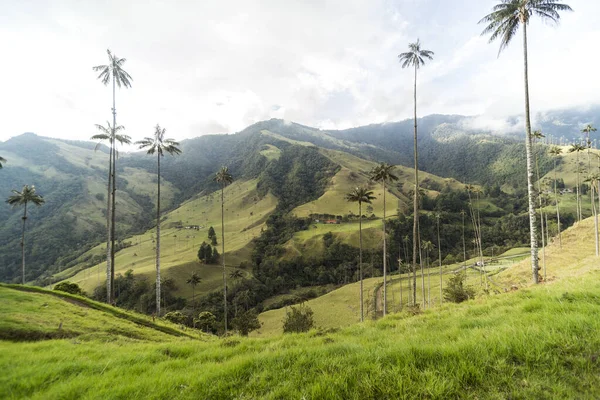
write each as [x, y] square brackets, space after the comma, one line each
[245, 215]
[32, 313]
[534, 343]
[271, 152]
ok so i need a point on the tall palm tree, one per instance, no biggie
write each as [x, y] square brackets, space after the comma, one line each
[113, 72]
[503, 23]
[223, 178]
[438, 216]
[555, 151]
[589, 128]
[360, 195]
[2, 160]
[538, 135]
[463, 213]
[383, 173]
[159, 145]
[415, 58]
[235, 275]
[576, 147]
[593, 180]
[111, 136]
[27, 195]
[194, 280]
[427, 246]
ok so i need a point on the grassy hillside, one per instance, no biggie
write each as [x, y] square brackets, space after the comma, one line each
[245, 213]
[30, 313]
[533, 343]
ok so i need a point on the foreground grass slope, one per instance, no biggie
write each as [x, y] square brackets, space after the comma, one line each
[533, 343]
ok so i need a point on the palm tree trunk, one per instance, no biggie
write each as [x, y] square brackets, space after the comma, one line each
[530, 189]
[578, 194]
[24, 218]
[557, 208]
[423, 293]
[440, 262]
[384, 258]
[109, 298]
[114, 188]
[360, 271]
[595, 218]
[416, 200]
[400, 277]
[158, 239]
[463, 240]
[223, 256]
[537, 172]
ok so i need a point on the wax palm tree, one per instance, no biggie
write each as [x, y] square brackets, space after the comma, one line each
[223, 178]
[463, 213]
[537, 135]
[556, 151]
[2, 160]
[113, 72]
[415, 58]
[360, 195]
[158, 145]
[438, 216]
[111, 136]
[589, 128]
[593, 180]
[27, 195]
[577, 148]
[236, 274]
[384, 173]
[194, 280]
[503, 23]
[427, 246]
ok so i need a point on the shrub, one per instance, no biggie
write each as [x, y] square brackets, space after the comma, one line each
[298, 319]
[69, 287]
[246, 322]
[206, 321]
[175, 317]
[455, 291]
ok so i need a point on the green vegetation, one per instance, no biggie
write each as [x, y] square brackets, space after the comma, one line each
[298, 319]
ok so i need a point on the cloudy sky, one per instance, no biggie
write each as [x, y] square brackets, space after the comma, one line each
[207, 66]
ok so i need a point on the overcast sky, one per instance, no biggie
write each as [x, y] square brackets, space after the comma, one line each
[206, 66]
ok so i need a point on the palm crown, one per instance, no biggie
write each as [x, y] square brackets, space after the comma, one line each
[504, 21]
[360, 195]
[576, 147]
[223, 177]
[111, 135]
[383, 172]
[589, 128]
[556, 151]
[2, 160]
[114, 69]
[415, 57]
[27, 195]
[158, 143]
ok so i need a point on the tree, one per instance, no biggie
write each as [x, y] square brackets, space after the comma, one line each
[111, 135]
[383, 173]
[555, 152]
[577, 148]
[69, 287]
[589, 128]
[298, 319]
[212, 236]
[27, 195]
[593, 180]
[223, 178]
[194, 280]
[113, 71]
[439, 246]
[360, 195]
[2, 160]
[246, 322]
[159, 145]
[206, 321]
[427, 246]
[456, 291]
[538, 135]
[415, 57]
[205, 253]
[236, 274]
[175, 317]
[503, 23]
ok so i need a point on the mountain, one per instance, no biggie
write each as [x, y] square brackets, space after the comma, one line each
[294, 163]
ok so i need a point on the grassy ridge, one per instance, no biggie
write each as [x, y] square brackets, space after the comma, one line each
[534, 343]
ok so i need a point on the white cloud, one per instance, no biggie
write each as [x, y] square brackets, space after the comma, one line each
[215, 67]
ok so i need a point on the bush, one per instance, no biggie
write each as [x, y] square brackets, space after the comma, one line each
[246, 322]
[175, 317]
[299, 319]
[69, 287]
[455, 291]
[206, 321]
